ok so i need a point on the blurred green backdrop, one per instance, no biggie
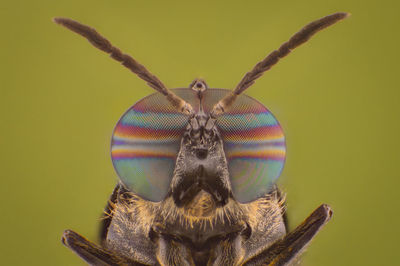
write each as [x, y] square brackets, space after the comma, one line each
[337, 98]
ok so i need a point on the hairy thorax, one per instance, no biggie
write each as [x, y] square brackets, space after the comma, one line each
[200, 226]
[201, 220]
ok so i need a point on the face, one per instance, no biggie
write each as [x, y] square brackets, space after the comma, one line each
[201, 165]
[159, 152]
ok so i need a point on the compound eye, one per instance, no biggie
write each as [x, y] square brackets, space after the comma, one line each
[254, 146]
[145, 143]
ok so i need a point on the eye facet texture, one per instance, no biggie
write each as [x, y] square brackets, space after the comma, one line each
[254, 146]
[145, 144]
[147, 138]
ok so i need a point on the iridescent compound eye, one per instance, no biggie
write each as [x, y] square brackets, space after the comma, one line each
[147, 138]
[145, 144]
[254, 146]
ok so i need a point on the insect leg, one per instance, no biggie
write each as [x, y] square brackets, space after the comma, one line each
[173, 252]
[91, 253]
[287, 249]
[228, 252]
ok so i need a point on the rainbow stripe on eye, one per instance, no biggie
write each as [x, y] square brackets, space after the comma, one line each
[147, 138]
[254, 146]
[145, 144]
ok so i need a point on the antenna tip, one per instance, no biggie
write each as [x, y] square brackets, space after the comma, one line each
[58, 20]
[341, 15]
[66, 22]
[347, 14]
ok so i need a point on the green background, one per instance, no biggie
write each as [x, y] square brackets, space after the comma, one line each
[337, 98]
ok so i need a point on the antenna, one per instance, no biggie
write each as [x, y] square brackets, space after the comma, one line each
[126, 60]
[299, 38]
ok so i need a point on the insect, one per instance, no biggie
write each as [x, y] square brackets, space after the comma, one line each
[197, 169]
